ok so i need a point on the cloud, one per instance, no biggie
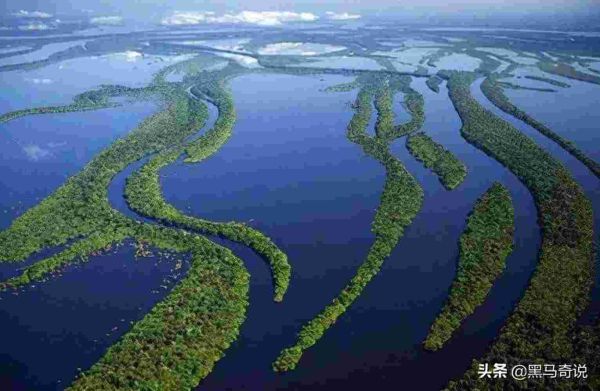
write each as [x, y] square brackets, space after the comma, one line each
[185, 18]
[245, 61]
[266, 18]
[129, 56]
[35, 152]
[32, 14]
[260, 18]
[107, 20]
[341, 16]
[236, 44]
[35, 27]
[298, 49]
[40, 81]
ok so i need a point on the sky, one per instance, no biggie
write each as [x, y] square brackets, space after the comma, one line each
[156, 10]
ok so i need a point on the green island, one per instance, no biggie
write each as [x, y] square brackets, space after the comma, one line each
[566, 70]
[343, 87]
[553, 82]
[513, 86]
[448, 168]
[434, 82]
[484, 246]
[89, 100]
[538, 330]
[80, 206]
[144, 196]
[400, 202]
[178, 342]
[494, 93]
[414, 103]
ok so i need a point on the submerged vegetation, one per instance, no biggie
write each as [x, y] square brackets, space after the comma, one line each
[484, 247]
[538, 330]
[434, 156]
[400, 202]
[176, 345]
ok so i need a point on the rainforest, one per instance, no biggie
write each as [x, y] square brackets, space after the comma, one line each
[294, 200]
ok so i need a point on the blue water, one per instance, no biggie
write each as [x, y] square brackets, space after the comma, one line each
[58, 83]
[116, 189]
[298, 162]
[377, 343]
[589, 183]
[577, 119]
[289, 170]
[51, 329]
[38, 153]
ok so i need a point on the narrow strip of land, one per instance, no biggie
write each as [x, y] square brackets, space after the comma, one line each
[539, 329]
[400, 202]
[494, 93]
[448, 168]
[484, 247]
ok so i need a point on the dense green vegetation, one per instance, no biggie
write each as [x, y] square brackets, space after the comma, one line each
[178, 342]
[489, 63]
[512, 86]
[384, 126]
[538, 331]
[220, 133]
[433, 82]
[586, 345]
[343, 87]
[553, 82]
[449, 169]
[400, 202]
[567, 71]
[414, 103]
[484, 246]
[144, 194]
[80, 207]
[495, 94]
[90, 100]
